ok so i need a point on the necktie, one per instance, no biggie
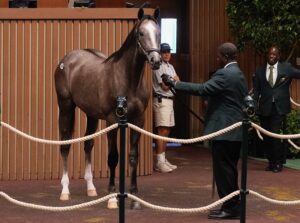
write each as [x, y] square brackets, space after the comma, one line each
[270, 79]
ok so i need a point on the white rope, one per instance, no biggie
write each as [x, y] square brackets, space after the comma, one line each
[57, 209]
[186, 141]
[275, 135]
[293, 102]
[184, 210]
[293, 144]
[136, 128]
[146, 204]
[56, 142]
[273, 201]
[259, 135]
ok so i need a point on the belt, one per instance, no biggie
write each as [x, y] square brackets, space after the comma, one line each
[162, 96]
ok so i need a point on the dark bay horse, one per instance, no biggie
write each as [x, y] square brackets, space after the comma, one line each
[92, 82]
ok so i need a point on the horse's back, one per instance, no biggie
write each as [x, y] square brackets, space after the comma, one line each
[77, 77]
[83, 56]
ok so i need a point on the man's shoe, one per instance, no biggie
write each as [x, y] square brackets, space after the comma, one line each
[162, 167]
[223, 215]
[173, 167]
[217, 211]
[277, 168]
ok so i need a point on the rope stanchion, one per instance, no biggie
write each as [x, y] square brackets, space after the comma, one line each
[244, 153]
[121, 112]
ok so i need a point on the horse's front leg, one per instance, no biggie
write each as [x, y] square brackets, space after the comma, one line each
[113, 157]
[91, 128]
[133, 160]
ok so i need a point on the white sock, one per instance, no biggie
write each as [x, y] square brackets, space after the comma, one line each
[161, 157]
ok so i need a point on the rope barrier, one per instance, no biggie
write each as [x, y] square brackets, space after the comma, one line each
[56, 142]
[202, 209]
[186, 141]
[147, 204]
[57, 209]
[184, 210]
[275, 135]
[294, 103]
[273, 201]
[136, 128]
[293, 144]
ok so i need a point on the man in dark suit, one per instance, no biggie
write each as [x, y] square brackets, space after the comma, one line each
[271, 85]
[225, 90]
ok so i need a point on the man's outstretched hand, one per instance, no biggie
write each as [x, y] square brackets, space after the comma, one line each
[168, 80]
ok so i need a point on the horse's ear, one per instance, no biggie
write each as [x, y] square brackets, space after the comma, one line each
[156, 13]
[141, 13]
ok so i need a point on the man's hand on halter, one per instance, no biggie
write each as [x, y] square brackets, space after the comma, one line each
[168, 80]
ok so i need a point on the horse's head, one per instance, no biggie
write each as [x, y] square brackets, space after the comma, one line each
[148, 37]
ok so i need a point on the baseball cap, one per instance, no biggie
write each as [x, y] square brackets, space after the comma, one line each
[165, 47]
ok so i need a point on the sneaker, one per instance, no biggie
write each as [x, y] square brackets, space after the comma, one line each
[162, 167]
[173, 167]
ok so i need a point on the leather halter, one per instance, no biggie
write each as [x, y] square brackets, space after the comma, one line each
[146, 52]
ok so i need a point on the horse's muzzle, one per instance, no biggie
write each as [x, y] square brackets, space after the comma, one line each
[155, 66]
[155, 63]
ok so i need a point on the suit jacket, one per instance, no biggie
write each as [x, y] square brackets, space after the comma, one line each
[226, 90]
[265, 95]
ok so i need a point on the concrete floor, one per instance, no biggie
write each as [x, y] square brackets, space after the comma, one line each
[187, 187]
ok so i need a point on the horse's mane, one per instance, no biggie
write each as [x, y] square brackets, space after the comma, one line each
[131, 37]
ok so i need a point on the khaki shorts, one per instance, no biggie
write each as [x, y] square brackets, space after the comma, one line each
[163, 112]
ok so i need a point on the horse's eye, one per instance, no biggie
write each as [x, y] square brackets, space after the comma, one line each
[141, 34]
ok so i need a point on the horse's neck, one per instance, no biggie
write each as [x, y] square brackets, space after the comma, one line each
[133, 65]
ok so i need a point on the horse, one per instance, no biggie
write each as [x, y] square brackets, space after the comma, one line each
[89, 80]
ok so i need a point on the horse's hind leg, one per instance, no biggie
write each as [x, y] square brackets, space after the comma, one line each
[91, 128]
[66, 126]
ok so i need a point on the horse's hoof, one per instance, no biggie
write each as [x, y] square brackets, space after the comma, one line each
[135, 205]
[64, 197]
[112, 203]
[92, 193]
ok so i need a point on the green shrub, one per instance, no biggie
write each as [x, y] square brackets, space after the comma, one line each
[293, 127]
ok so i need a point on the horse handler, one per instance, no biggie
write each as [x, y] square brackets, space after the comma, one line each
[226, 90]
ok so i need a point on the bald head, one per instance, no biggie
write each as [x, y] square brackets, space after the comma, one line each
[228, 50]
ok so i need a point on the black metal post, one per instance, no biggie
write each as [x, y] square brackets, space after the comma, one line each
[121, 112]
[243, 190]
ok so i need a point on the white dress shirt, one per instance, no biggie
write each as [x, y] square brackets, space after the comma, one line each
[275, 72]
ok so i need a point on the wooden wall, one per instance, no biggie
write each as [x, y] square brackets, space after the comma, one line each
[31, 44]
